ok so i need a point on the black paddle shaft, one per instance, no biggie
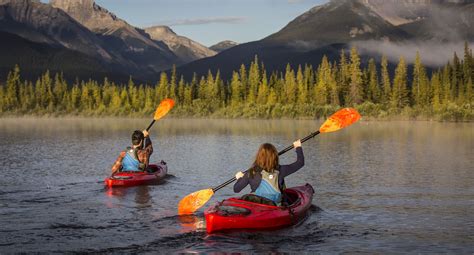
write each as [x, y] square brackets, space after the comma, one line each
[279, 153]
[151, 124]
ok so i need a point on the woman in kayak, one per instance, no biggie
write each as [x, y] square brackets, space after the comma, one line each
[266, 176]
[135, 158]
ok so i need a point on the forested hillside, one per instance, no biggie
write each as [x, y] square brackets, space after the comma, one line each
[307, 92]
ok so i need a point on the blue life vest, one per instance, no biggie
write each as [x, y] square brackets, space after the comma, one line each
[268, 187]
[130, 162]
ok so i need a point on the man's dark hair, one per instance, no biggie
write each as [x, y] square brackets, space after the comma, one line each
[137, 137]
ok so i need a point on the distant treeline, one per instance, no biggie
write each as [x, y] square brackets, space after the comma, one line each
[445, 94]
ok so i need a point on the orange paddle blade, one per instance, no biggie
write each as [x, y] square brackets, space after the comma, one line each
[341, 119]
[194, 201]
[164, 107]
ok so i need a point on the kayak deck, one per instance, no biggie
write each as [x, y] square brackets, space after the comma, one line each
[234, 213]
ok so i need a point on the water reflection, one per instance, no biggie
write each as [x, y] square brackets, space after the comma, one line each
[141, 194]
[191, 222]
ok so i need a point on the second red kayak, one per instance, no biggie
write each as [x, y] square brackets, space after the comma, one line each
[234, 213]
[126, 179]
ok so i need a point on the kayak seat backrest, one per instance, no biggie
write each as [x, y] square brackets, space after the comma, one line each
[257, 199]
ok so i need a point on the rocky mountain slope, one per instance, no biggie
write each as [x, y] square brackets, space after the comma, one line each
[129, 45]
[96, 34]
[222, 46]
[186, 49]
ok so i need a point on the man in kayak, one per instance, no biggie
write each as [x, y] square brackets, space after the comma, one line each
[266, 176]
[136, 157]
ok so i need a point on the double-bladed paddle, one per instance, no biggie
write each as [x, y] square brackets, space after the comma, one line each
[341, 119]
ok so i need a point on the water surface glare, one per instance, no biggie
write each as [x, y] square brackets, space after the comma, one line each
[396, 187]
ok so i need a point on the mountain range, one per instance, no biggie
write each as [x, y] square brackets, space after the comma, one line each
[85, 40]
[376, 27]
[96, 35]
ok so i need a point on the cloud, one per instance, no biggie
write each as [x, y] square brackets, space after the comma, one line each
[433, 54]
[204, 21]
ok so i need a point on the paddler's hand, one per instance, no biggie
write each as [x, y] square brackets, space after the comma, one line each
[239, 175]
[297, 144]
[145, 133]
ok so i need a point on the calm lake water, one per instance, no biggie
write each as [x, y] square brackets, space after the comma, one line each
[396, 187]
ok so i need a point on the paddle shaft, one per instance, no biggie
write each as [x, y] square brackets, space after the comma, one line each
[279, 153]
[151, 124]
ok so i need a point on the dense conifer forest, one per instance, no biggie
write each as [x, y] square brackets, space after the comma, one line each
[444, 94]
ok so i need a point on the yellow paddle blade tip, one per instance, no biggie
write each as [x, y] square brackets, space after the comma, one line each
[164, 107]
[341, 119]
[194, 201]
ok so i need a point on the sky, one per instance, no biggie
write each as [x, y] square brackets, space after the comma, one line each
[211, 21]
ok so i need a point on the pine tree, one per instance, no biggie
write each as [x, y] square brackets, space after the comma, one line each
[12, 89]
[343, 77]
[355, 95]
[181, 86]
[244, 81]
[290, 85]
[373, 93]
[420, 86]
[254, 81]
[48, 97]
[334, 88]
[302, 87]
[446, 84]
[162, 88]
[399, 93]
[263, 90]
[173, 87]
[436, 85]
[386, 84]
[322, 88]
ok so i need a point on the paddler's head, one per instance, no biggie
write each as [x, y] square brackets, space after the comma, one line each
[266, 159]
[137, 138]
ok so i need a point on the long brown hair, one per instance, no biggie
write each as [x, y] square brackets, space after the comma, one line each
[266, 159]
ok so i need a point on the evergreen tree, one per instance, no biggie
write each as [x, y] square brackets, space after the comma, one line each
[290, 85]
[333, 88]
[446, 84]
[12, 90]
[343, 77]
[254, 81]
[399, 97]
[420, 83]
[373, 93]
[162, 88]
[436, 85]
[322, 88]
[302, 87]
[173, 87]
[386, 84]
[263, 90]
[244, 81]
[355, 95]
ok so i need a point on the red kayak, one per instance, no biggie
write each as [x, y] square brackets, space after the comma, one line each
[127, 179]
[234, 213]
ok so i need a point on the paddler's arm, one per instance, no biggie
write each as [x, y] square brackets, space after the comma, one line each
[118, 163]
[148, 145]
[145, 153]
[242, 181]
[286, 170]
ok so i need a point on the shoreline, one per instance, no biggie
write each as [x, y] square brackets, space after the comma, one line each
[171, 117]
